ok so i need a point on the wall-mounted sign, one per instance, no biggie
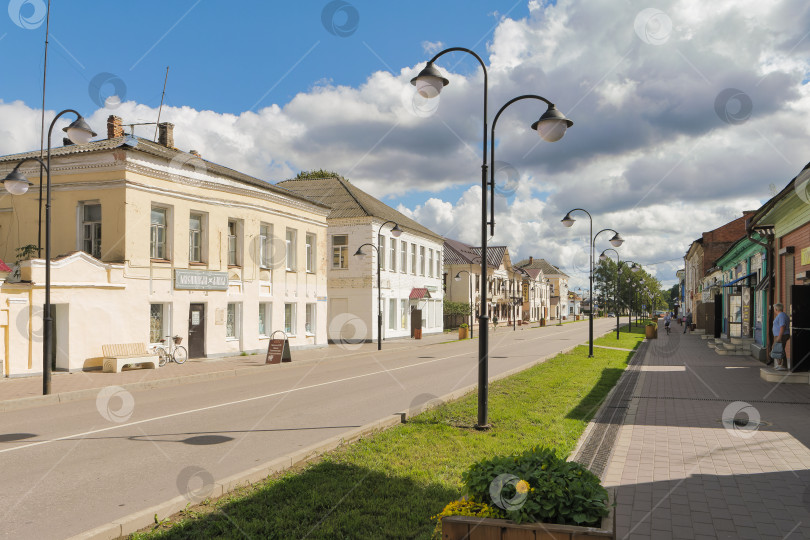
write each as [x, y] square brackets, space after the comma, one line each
[805, 256]
[200, 280]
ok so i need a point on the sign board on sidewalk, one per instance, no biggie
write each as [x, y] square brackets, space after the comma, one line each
[278, 350]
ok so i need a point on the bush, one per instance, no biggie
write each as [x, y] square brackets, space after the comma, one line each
[464, 325]
[465, 508]
[538, 486]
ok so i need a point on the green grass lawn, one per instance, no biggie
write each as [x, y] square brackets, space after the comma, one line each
[389, 485]
[627, 340]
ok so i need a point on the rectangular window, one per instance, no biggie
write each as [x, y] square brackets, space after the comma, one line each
[430, 314]
[392, 313]
[413, 259]
[421, 260]
[309, 324]
[195, 230]
[392, 256]
[438, 263]
[340, 251]
[310, 253]
[233, 321]
[403, 258]
[290, 241]
[233, 258]
[265, 311]
[289, 319]
[403, 306]
[91, 229]
[157, 244]
[430, 263]
[381, 251]
[265, 251]
[156, 323]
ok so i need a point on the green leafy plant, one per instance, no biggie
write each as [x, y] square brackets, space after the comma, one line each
[465, 507]
[464, 325]
[26, 252]
[538, 486]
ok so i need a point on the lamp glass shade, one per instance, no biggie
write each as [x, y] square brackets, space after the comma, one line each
[617, 240]
[396, 232]
[360, 254]
[16, 184]
[458, 277]
[551, 130]
[79, 132]
[568, 221]
[602, 256]
[635, 267]
[429, 86]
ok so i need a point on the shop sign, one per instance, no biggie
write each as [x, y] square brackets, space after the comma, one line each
[805, 256]
[200, 280]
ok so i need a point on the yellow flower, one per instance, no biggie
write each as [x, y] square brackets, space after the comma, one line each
[522, 486]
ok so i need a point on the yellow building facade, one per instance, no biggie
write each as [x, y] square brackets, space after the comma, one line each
[148, 242]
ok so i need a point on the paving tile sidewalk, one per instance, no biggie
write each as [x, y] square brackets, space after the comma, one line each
[681, 471]
[25, 387]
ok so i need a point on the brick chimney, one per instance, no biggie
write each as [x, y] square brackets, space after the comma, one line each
[114, 127]
[531, 259]
[166, 134]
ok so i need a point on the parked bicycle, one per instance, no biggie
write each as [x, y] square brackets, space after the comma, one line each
[171, 351]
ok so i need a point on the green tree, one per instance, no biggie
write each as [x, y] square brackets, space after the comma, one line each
[320, 173]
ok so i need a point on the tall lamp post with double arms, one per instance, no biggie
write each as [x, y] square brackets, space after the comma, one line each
[17, 184]
[395, 232]
[615, 241]
[469, 276]
[551, 127]
[635, 268]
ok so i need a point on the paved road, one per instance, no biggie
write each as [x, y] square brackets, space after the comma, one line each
[71, 467]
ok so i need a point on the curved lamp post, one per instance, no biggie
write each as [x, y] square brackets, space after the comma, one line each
[551, 126]
[634, 268]
[469, 276]
[16, 184]
[396, 232]
[615, 241]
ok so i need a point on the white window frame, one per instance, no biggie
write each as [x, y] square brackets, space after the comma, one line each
[392, 255]
[403, 256]
[381, 251]
[203, 234]
[413, 259]
[81, 228]
[311, 243]
[392, 314]
[341, 251]
[290, 242]
[430, 263]
[311, 319]
[236, 240]
[237, 322]
[265, 310]
[164, 323]
[291, 328]
[265, 245]
[167, 234]
[438, 263]
[422, 260]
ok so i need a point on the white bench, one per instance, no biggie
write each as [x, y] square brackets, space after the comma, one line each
[119, 355]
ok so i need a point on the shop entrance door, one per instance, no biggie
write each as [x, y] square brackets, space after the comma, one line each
[735, 315]
[800, 331]
[196, 331]
[718, 315]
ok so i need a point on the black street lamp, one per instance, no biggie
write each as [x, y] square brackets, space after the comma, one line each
[551, 127]
[615, 241]
[16, 184]
[396, 232]
[458, 278]
[634, 268]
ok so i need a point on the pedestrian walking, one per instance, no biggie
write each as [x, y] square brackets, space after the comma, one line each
[494, 322]
[688, 322]
[781, 334]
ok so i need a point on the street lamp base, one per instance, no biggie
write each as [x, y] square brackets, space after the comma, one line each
[485, 427]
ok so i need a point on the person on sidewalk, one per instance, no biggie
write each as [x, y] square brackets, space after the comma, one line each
[688, 322]
[494, 322]
[781, 334]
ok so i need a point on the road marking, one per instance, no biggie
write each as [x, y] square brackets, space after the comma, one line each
[274, 394]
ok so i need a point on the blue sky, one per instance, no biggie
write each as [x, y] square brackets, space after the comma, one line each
[684, 115]
[232, 58]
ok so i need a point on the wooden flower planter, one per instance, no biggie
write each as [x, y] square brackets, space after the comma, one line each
[473, 528]
[463, 333]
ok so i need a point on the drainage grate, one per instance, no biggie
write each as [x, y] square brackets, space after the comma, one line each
[597, 448]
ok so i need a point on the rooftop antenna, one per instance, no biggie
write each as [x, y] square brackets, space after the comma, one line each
[161, 100]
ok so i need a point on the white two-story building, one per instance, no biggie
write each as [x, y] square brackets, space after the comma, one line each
[410, 259]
